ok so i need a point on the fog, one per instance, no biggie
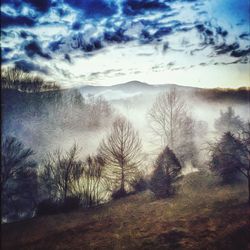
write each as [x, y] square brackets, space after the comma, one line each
[60, 123]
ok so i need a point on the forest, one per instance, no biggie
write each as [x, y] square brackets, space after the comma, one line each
[64, 150]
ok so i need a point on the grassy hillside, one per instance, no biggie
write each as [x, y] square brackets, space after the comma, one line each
[202, 216]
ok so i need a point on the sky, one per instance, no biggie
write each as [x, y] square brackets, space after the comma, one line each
[201, 43]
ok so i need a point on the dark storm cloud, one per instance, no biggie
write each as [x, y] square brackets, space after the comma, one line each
[55, 45]
[202, 29]
[9, 21]
[146, 37]
[76, 26]
[153, 29]
[77, 43]
[90, 26]
[240, 53]
[245, 36]
[6, 50]
[169, 29]
[226, 48]
[33, 48]
[117, 36]
[25, 34]
[164, 31]
[94, 8]
[28, 66]
[14, 3]
[222, 32]
[136, 7]
[40, 5]
[93, 45]
[5, 54]
[206, 33]
[211, 34]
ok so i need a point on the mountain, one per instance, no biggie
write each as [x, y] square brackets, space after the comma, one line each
[130, 89]
[136, 88]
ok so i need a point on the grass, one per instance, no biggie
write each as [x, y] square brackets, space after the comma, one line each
[203, 215]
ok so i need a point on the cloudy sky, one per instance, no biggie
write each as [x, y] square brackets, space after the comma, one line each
[203, 43]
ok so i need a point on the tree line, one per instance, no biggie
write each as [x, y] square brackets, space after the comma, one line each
[15, 78]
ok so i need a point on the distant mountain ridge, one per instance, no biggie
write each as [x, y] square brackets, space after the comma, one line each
[133, 88]
[137, 84]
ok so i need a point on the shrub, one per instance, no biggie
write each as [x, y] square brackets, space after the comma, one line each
[70, 203]
[50, 206]
[166, 173]
[117, 194]
[139, 184]
[226, 158]
[46, 207]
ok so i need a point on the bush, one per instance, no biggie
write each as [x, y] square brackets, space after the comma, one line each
[166, 174]
[46, 207]
[140, 184]
[160, 184]
[117, 194]
[226, 158]
[49, 206]
[70, 204]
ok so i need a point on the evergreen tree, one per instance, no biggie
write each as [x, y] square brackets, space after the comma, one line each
[166, 173]
[228, 122]
[226, 158]
[18, 180]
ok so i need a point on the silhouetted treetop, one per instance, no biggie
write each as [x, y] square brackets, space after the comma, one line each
[15, 78]
[228, 121]
[121, 150]
[166, 173]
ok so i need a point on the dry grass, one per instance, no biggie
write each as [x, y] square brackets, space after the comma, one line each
[202, 216]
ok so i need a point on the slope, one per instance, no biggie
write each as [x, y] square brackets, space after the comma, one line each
[202, 216]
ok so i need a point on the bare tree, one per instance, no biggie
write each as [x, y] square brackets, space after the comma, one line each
[166, 116]
[121, 150]
[92, 185]
[98, 109]
[171, 123]
[61, 171]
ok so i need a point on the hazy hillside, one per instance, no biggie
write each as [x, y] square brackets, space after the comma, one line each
[201, 216]
[64, 115]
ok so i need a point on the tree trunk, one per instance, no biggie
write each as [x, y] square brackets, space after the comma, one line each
[122, 181]
[171, 129]
[65, 190]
